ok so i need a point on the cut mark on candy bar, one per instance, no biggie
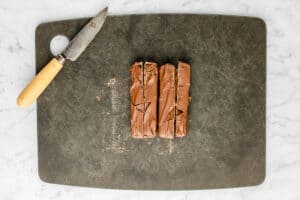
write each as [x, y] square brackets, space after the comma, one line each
[171, 114]
[178, 112]
[140, 107]
[146, 106]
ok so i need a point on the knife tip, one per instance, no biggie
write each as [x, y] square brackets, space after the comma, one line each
[105, 10]
[102, 13]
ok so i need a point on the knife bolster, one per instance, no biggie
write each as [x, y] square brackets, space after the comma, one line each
[61, 59]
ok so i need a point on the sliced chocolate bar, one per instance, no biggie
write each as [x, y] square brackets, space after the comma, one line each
[182, 98]
[167, 101]
[150, 99]
[136, 100]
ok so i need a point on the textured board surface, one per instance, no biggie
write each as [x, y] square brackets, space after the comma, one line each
[84, 115]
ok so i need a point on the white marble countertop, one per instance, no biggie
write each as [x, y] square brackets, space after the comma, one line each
[18, 137]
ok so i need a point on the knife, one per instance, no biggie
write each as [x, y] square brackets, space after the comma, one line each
[76, 47]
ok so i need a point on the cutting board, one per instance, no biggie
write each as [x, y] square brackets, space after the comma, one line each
[84, 115]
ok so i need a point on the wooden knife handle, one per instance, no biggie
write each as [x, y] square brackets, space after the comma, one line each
[35, 88]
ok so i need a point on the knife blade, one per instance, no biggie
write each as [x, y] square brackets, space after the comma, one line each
[76, 47]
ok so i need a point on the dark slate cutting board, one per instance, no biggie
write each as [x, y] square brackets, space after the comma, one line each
[84, 119]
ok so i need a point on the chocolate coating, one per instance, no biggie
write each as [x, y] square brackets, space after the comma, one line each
[150, 99]
[143, 97]
[167, 101]
[136, 100]
[182, 98]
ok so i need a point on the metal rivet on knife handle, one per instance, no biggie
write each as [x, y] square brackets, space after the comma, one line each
[78, 44]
